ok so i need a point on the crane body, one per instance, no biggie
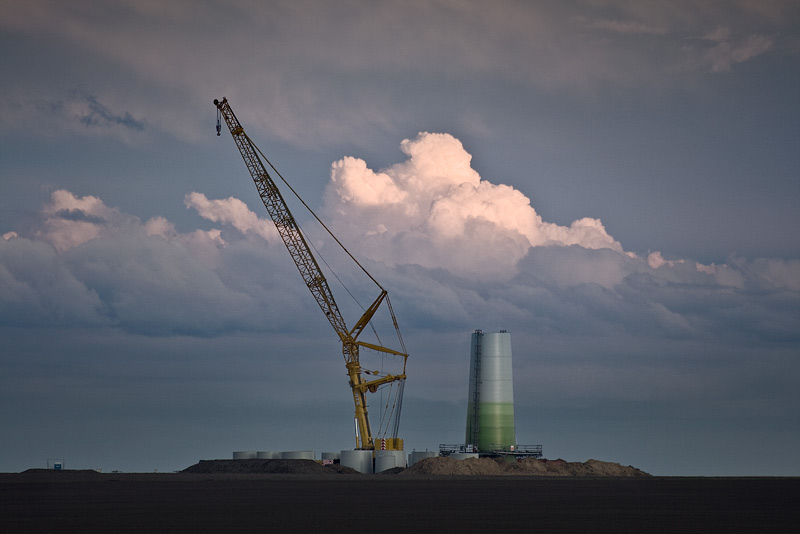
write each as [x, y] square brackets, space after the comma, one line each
[316, 282]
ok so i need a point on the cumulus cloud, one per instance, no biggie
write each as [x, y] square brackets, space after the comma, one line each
[656, 260]
[71, 221]
[433, 215]
[89, 264]
[435, 210]
[231, 211]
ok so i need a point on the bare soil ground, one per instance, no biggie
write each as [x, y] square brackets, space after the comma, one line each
[330, 501]
[440, 466]
[528, 467]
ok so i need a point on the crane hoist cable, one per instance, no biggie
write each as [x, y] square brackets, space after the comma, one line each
[307, 207]
[341, 245]
[330, 233]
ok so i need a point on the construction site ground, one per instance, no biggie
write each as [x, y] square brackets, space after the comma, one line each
[287, 496]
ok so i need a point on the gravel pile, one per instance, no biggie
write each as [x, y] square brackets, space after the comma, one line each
[490, 467]
[266, 466]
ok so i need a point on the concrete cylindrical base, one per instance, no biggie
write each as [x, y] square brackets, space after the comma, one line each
[297, 455]
[359, 460]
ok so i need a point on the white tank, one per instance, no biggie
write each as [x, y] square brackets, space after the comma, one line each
[361, 461]
[385, 460]
[297, 455]
[244, 455]
[416, 456]
[267, 455]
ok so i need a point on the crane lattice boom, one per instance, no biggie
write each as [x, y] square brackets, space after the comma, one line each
[318, 285]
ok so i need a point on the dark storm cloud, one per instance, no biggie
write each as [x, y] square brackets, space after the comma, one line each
[75, 111]
[38, 290]
[150, 287]
[100, 115]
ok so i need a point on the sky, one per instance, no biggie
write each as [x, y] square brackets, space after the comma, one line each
[613, 182]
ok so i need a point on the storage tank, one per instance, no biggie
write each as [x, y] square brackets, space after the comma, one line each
[297, 455]
[267, 455]
[490, 405]
[463, 455]
[359, 460]
[385, 460]
[244, 455]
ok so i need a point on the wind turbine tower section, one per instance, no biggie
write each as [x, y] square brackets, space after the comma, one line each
[490, 405]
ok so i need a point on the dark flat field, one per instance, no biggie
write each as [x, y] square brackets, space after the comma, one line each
[182, 502]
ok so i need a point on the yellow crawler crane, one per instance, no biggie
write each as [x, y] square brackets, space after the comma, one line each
[318, 285]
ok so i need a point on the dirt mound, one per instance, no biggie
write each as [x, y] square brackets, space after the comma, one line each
[266, 466]
[392, 471]
[448, 466]
[445, 466]
[441, 466]
[60, 474]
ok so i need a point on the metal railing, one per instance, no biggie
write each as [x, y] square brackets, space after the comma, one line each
[534, 451]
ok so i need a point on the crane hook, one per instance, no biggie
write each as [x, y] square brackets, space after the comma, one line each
[219, 123]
